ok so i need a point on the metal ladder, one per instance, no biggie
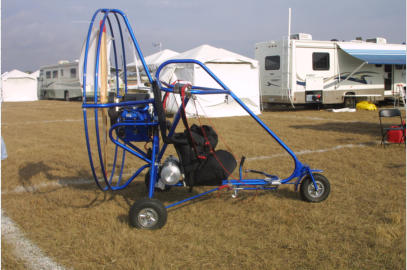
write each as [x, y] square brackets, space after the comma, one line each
[399, 94]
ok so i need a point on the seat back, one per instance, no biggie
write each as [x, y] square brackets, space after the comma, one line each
[389, 113]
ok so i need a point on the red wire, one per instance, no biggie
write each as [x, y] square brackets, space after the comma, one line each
[220, 163]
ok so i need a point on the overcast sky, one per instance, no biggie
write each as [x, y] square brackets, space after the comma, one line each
[35, 33]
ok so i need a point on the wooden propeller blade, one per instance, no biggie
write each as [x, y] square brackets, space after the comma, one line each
[104, 92]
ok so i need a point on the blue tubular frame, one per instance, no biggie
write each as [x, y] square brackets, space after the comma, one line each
[300, 169]
[120, 18]
[157, 153]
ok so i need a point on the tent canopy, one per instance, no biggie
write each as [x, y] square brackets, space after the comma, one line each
[237, 72]
[19, 86]
[156, 59]
[209, 54]
[17, 74]
[376, 53]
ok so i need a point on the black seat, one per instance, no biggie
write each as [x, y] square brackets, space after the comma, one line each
[388, 127]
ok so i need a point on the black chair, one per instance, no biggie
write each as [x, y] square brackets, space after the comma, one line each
[386, 126]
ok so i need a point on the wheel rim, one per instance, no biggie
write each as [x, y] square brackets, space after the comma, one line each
[147, 217]
[316, 193]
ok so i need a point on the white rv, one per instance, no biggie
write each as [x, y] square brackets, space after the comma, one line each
[300, 70]
[60, 81]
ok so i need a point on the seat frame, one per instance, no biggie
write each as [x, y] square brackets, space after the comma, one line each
[391, 113]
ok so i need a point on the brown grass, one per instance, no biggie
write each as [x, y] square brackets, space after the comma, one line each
[360, 226]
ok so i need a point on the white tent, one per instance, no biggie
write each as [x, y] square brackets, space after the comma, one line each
[153, 61]
[239, 73]
[19, 86]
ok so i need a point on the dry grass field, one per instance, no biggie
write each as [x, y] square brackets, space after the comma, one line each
[362, 224]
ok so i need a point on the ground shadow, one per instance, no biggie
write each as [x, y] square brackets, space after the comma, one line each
[30, 170]
[124, 198]
[371, 129]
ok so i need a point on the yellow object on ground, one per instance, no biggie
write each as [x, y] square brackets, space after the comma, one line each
[366, 105]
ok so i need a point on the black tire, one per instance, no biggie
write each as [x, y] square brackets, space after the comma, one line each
[308, 192]
[66, 96]
[148, 214]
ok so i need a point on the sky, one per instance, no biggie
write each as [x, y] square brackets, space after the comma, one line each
[42, 32]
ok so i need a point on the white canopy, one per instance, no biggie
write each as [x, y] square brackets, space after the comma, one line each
[237, 72]
[154, 60]
[19, 86]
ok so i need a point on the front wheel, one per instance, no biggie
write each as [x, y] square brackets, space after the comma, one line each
[307, 189]
[149, 214]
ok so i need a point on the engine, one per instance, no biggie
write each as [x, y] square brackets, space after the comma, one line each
[170, 173]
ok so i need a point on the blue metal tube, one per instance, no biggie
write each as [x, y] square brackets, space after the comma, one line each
[131, 178]
[191, 198]
[135, 43]
[89, 150]
[124, 56]
[120, 104]
[115, 55]
[172, 130]
[126, 147]
[154, 164]
[122, 167]
[102, 165]
[299, 168]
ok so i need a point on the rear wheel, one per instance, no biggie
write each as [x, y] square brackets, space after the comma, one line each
[148, 214]
[308, 191]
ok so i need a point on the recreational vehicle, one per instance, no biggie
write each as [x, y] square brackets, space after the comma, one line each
[300, 70]
[60, 81]
[63, 81]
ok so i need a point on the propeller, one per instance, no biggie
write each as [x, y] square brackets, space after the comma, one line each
[104, 93]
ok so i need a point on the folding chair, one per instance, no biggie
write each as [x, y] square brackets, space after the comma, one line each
[392, 133]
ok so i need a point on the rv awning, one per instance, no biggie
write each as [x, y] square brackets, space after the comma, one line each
[392, 54]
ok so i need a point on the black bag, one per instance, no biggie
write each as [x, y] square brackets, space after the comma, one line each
[202, 165]
[217, 167]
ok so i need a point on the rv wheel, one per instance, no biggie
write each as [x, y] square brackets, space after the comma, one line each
[349, 102]
[149, 214]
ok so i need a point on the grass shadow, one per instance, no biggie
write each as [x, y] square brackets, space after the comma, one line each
[371, 129]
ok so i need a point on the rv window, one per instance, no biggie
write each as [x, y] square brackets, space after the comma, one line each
[378, 65]
[55, 74]
[400, 67]
[73, 72]
[48, 74]
[320, 61]
[272, 62]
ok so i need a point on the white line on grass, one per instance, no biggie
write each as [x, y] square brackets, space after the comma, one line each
[75, 182]
[32, 255]
[60, 183]
[305, 152]
[42, 122]
[34, 258]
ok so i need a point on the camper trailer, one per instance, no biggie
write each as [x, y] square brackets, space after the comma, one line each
[300, 70]
[60, 81]
[63, 81]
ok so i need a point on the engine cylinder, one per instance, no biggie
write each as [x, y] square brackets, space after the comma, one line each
[170, 173]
